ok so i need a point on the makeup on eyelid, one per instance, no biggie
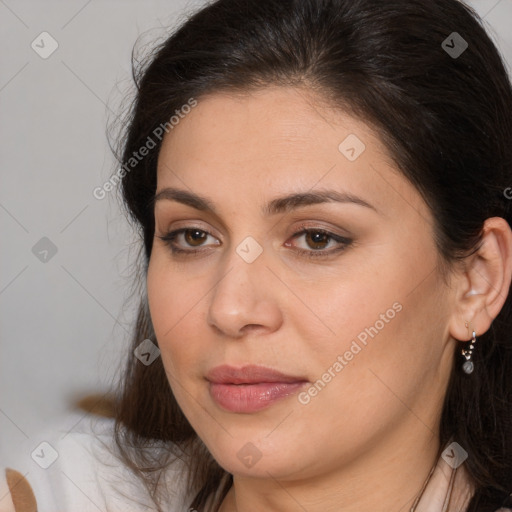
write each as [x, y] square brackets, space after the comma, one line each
[170, 240]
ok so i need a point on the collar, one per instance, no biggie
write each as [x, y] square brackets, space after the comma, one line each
[447, 489]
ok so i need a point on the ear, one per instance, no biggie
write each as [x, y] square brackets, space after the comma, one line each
[482, 286]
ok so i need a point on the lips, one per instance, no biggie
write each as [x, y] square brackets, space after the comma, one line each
[248, 375]
[250, 388]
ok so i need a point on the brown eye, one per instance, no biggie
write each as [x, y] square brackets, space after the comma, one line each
[318, 243]
[317, 239]
[185, 241]
[194, 237]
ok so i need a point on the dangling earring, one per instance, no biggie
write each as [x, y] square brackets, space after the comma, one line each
[468, 365]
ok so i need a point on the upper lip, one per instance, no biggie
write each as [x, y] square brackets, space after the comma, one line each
[249, 374]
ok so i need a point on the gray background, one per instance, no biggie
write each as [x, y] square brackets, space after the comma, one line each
[65, 323]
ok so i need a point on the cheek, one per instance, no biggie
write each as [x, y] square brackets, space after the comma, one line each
[357, 305]
[178, 308]
[171, 295]
[389, 352]
[378, 321]
[172, 306]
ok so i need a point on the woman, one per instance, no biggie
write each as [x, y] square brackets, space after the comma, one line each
[321, 187]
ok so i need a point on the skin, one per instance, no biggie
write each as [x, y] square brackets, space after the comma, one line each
[369, 438]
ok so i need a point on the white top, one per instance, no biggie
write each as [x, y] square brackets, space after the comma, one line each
[71, 468]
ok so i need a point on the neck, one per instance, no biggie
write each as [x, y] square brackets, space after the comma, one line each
[390, 477]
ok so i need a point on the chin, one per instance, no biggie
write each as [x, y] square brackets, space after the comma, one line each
[255, 455]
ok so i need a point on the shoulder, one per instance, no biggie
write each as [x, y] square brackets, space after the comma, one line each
[73, 465]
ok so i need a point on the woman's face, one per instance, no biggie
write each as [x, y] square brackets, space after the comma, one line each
[357, 320]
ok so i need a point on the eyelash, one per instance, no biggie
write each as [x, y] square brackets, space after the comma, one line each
[170, 238]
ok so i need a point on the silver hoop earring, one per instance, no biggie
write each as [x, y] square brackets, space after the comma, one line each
[468, 365]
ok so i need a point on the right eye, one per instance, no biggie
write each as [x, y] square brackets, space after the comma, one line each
[192, 237]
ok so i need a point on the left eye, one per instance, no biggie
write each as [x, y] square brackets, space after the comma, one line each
[316, 239]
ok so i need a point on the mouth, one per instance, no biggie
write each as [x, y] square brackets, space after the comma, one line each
[250, 388]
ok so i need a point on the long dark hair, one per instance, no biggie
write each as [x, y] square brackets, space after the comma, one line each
[443, 111]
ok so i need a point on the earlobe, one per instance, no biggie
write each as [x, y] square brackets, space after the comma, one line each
[485, 283]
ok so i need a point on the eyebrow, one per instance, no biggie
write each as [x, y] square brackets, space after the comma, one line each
[275, 206]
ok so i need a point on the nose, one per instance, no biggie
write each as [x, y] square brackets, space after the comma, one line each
[244, 298]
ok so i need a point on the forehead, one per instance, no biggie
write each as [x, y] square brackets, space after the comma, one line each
[278, 138]
[278, 118]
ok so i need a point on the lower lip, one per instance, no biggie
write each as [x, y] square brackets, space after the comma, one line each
[251, 397]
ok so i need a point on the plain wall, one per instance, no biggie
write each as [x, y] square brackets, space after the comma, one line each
[65, 322]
